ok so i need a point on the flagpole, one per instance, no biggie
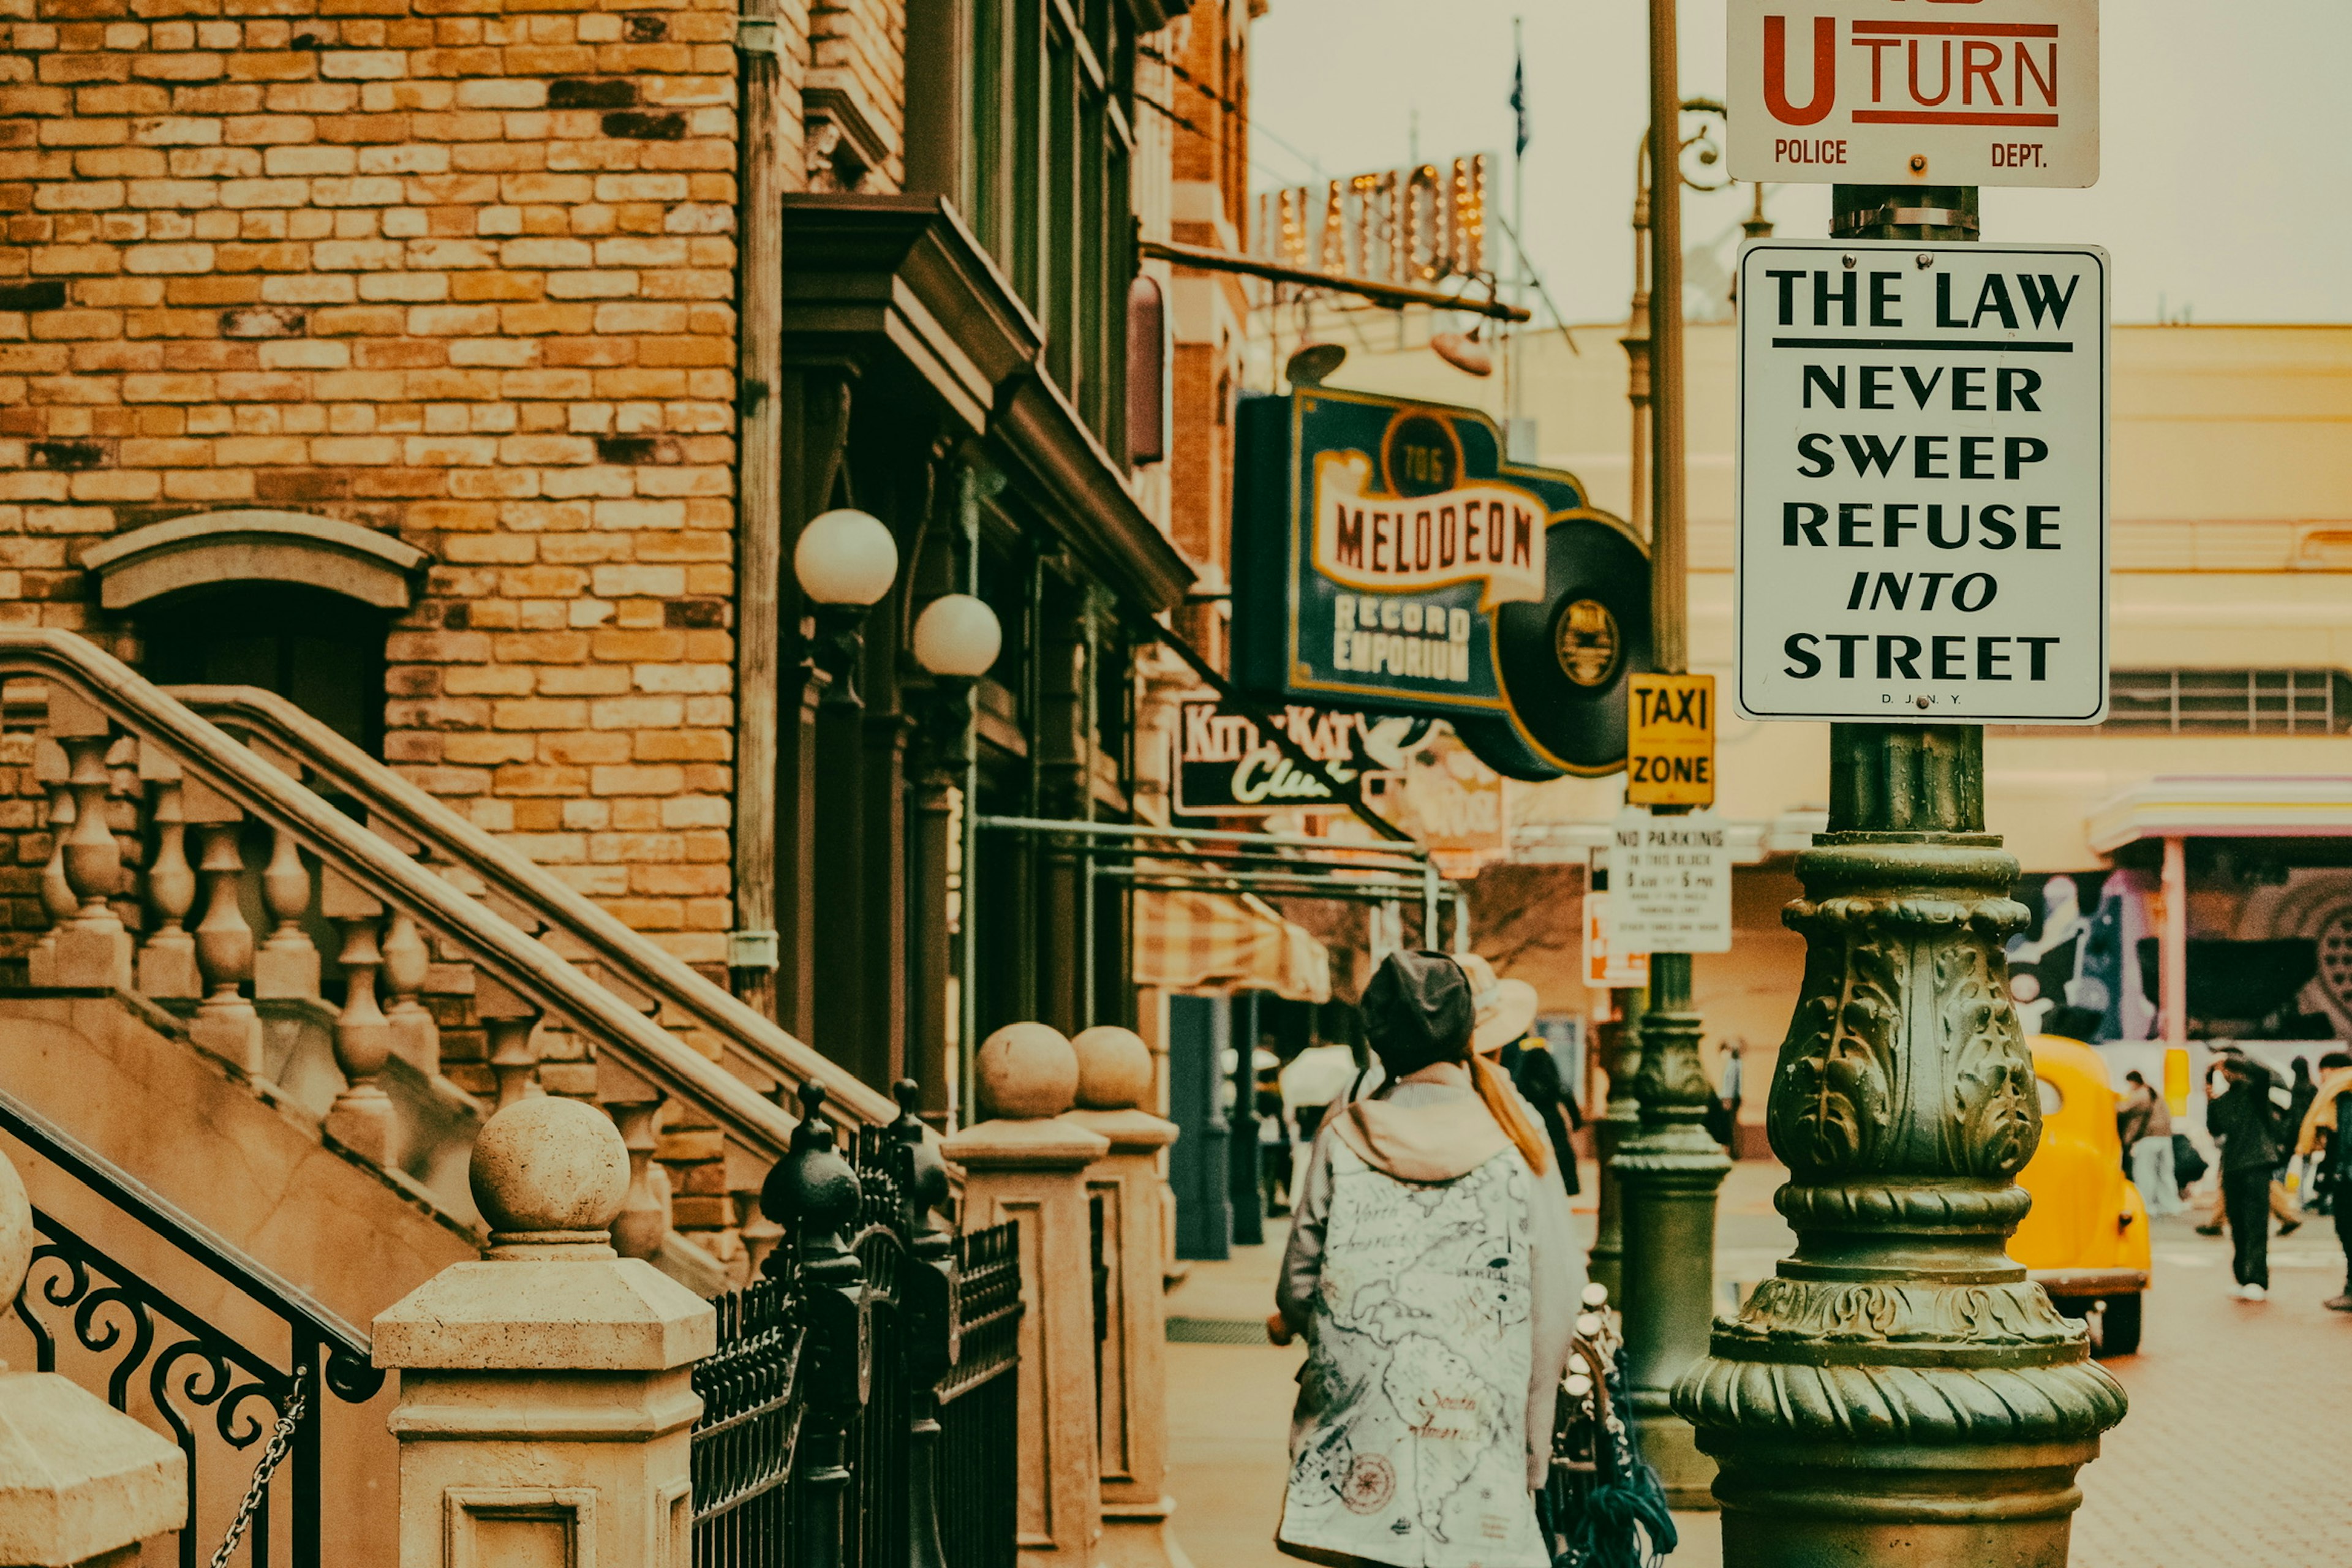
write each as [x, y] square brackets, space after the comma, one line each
[1511, 361]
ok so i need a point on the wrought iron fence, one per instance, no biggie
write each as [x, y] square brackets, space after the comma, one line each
[223, 1398]
[856, 1414]
[743, 1446]
[980, 1404]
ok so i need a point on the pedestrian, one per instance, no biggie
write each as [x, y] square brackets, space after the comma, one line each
[1535, 1073]
[2313, 1135]
[2145, 1122]
[2241, 1117]
[2334, 1150]
[1432, 1268]
[2282, 1201]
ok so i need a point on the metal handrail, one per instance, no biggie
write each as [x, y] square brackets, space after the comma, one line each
[641, 962]
[350, 1371]
[211, 754]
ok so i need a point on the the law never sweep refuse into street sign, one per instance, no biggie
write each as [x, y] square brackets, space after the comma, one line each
[1923, 483]
[1670, 741]
[1916, 92]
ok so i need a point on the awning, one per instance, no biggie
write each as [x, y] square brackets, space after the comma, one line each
[1189, 940]
[2247, 806]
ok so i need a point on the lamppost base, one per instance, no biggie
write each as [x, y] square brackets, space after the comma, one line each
[1669, 1174]
[1786, 1504]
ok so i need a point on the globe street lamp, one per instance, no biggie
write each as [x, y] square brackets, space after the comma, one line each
[958, 638]
[846, 561]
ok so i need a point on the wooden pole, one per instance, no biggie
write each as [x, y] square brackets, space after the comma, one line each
[759, 520]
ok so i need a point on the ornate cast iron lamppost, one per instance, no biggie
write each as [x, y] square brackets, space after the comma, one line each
[1900, 1390]
[1669, 1170]
[956, 640]
[1619, 1043]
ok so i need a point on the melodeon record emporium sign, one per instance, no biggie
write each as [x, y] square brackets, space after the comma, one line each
[1923, 483]
[1387, 557]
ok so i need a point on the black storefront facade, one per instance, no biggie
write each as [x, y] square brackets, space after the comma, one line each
[916, 386]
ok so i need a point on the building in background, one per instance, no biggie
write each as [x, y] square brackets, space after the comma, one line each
[469, 378]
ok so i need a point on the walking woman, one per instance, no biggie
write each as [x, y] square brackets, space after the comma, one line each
[1432, 1269]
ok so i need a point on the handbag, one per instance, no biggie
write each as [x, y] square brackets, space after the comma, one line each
[2188, 1165]
[1603, 1505]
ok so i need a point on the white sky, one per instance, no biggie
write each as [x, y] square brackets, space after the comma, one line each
[2226, 190]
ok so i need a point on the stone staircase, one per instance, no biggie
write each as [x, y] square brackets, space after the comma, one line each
[235, 883]
[284, 988]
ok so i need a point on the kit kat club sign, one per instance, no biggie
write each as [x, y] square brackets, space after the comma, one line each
[1388, 558]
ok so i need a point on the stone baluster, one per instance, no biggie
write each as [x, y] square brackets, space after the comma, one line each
[167, 959]
[92, 949]
[1115, 1079]
[1028, 1166]
[360, 1118]
[80, 1483]
[634, 1107]
[126, 798]
[57, 900]
[287, 963]
[225, 1023]
[546, 1392]
[511, 1021]
[406, 963]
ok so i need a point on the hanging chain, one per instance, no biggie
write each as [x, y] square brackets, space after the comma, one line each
[281, 1442]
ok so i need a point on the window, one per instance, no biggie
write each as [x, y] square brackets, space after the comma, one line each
[2230, 701]
[320, 651]
[1048, 183]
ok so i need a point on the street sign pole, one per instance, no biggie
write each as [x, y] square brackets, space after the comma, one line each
[1901, 1393]
[1669, 1169]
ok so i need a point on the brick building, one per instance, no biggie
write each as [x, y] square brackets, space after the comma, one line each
[466, 369]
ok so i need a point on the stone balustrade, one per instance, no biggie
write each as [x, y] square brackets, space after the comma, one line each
[359, 973]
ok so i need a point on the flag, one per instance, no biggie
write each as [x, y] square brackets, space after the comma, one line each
[1519, 93]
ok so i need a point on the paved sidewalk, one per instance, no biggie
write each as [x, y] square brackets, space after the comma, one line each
[2234, 1451]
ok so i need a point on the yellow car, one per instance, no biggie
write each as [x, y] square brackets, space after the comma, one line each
[2086, 1239]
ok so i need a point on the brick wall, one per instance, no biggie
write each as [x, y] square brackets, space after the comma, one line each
[458, 270]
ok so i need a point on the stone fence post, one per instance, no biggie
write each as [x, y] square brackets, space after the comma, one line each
[546, 1401]
[1115, 1077]
[80, 1483]
[1028, 1167]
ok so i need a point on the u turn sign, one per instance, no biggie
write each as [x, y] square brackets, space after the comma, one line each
[1916, 92]
[1923, 483]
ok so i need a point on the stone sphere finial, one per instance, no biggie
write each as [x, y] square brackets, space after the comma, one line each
[1114, 1069]
[1028, 1072]
[550, 1176]
[16, 1237]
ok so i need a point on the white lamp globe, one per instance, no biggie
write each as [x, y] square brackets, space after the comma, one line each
[845, 557]
[957, 635]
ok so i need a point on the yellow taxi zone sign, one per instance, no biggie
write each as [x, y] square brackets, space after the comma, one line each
[1670, 753]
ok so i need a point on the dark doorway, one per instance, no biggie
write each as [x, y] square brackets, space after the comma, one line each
[320, 651]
